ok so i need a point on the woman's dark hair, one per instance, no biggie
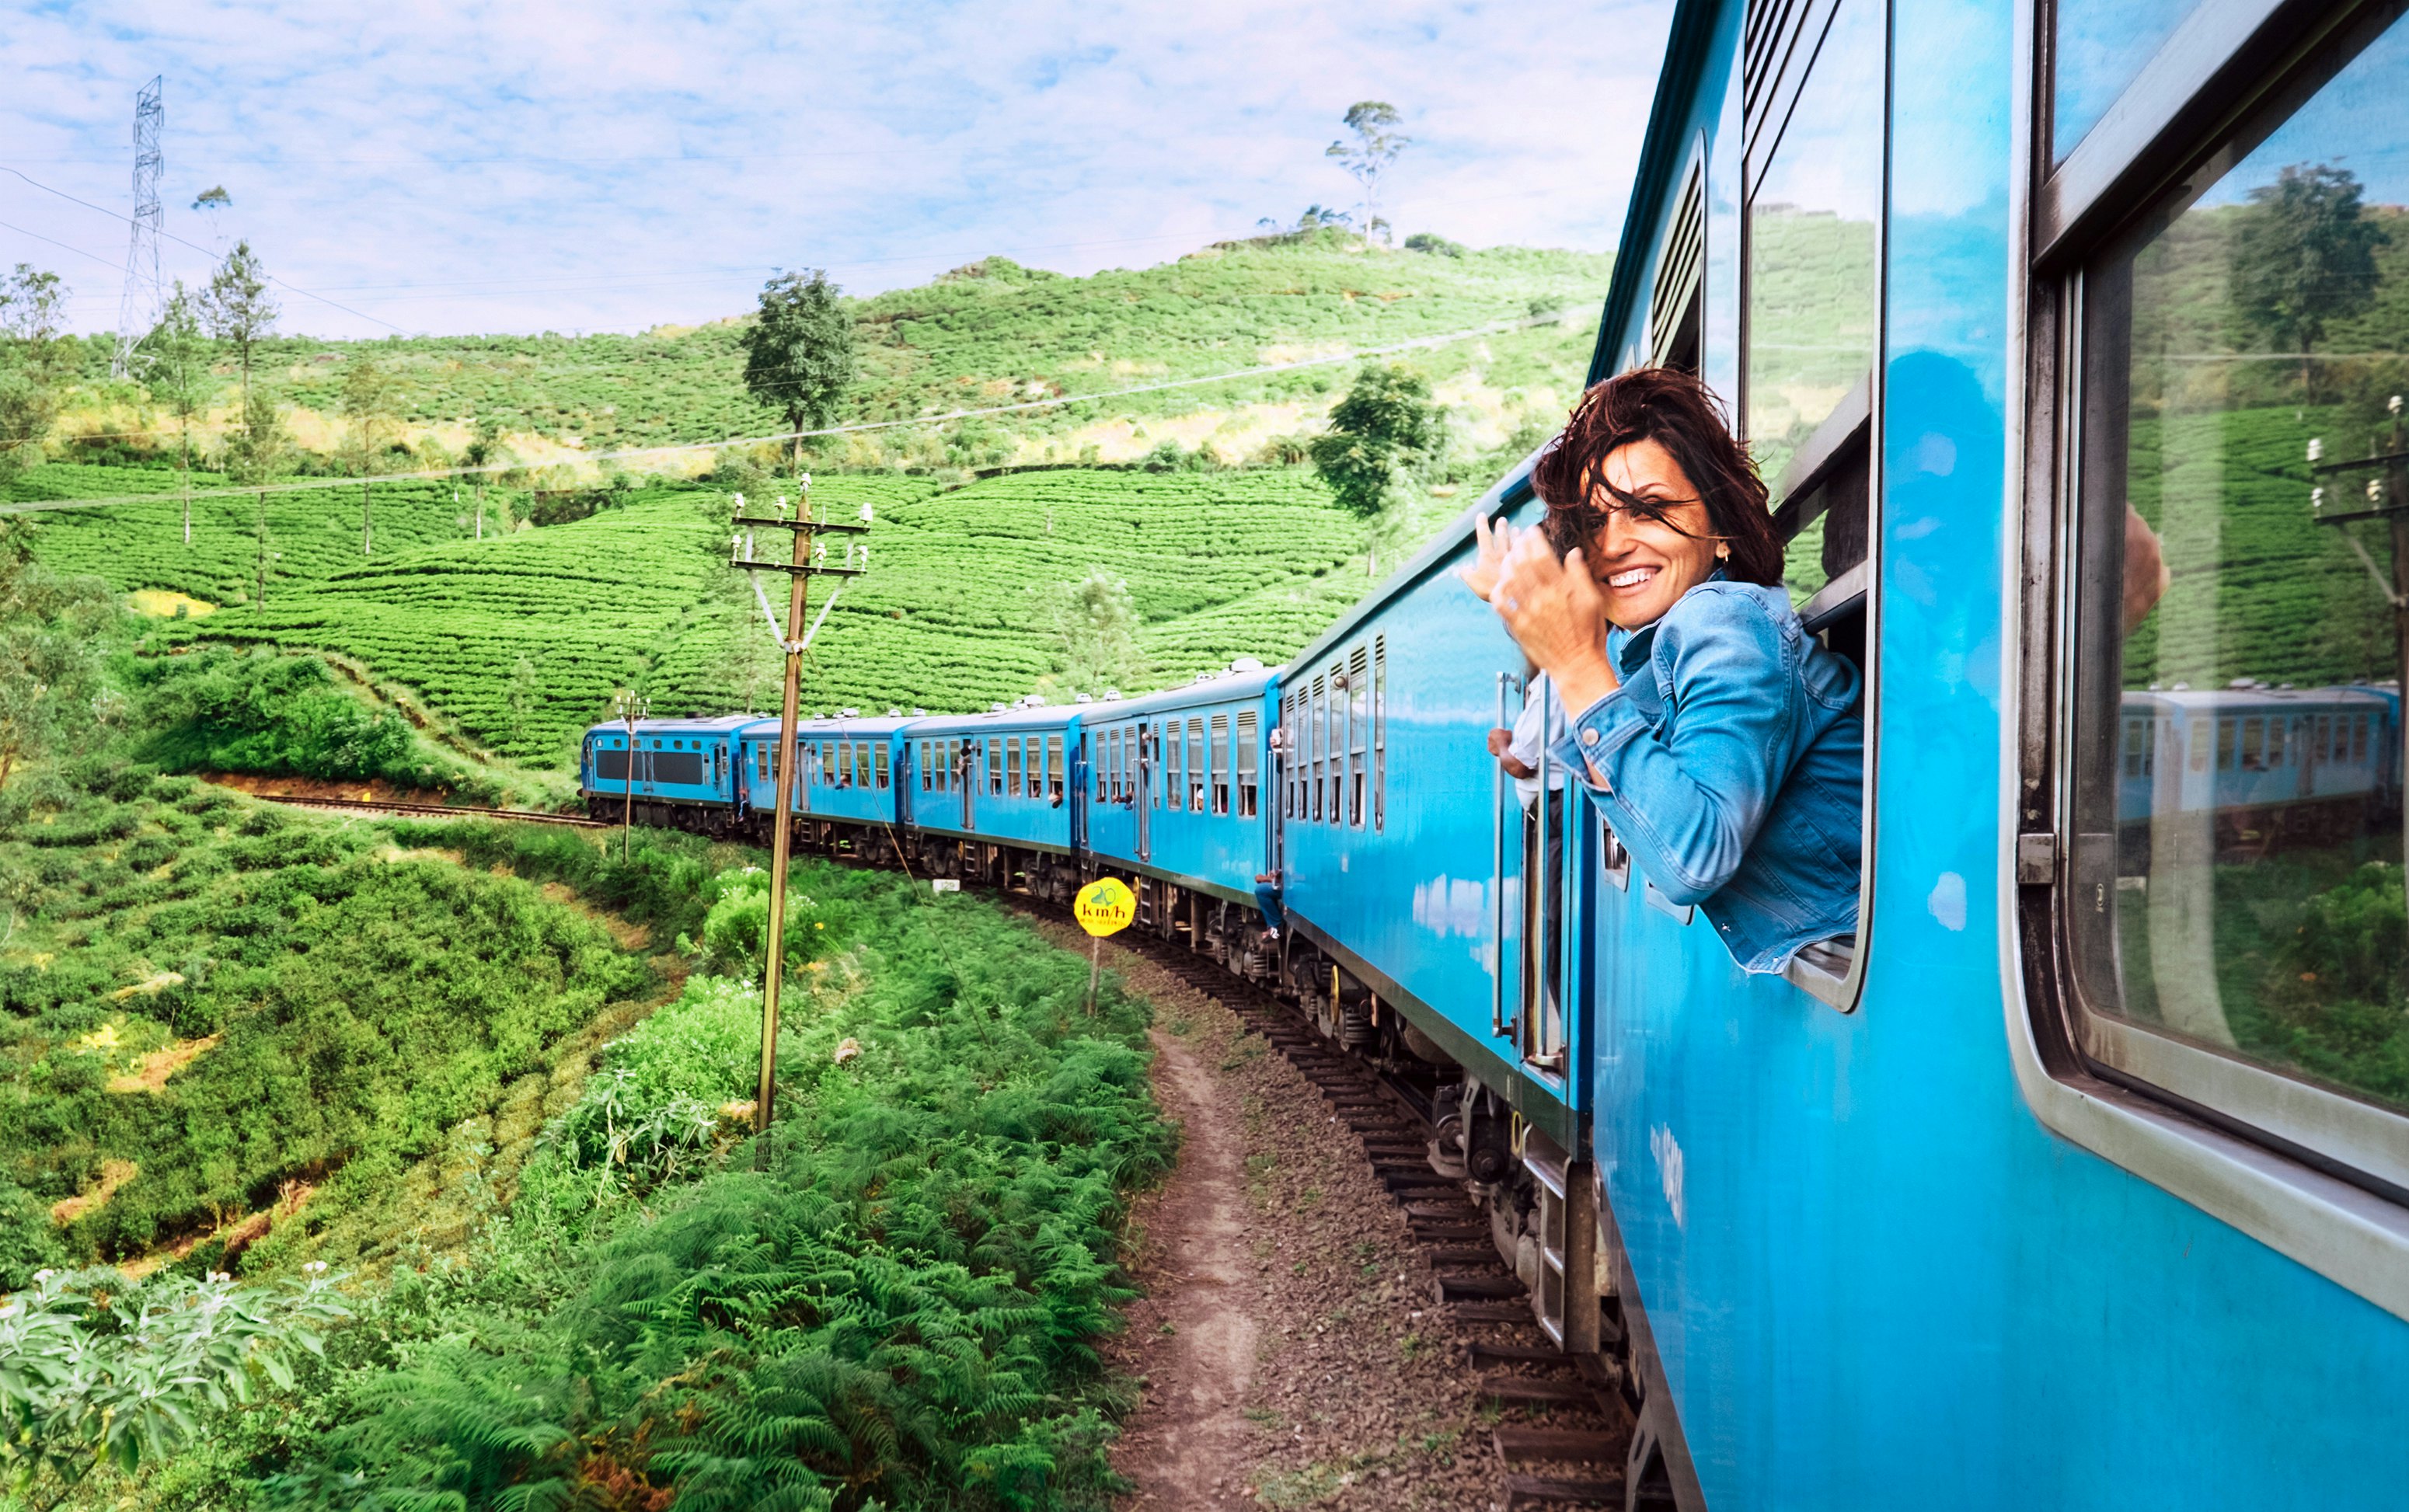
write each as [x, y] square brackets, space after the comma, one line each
[1677, 413]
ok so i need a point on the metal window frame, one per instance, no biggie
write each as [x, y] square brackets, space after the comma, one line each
[1379, 732]
[1057, 777]
[2286, 1161]
[1220, 769]
[1833, 973]
[1247, 762]
[1199, 774]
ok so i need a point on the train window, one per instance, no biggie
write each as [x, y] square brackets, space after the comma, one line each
[1054, 766]
[1196, 766]
[1358, 732]
[1218, 761]
[862, 763]
[843, 763]
[1813, 295]
[1248, 799]
[878, 762]
[1379, 730]
[2239, 941]
[927, 774]
[1012, 767]
[2100, 47]
[1286, 767]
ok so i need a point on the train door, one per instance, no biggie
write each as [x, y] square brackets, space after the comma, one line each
[1144, 793]
[967, 771]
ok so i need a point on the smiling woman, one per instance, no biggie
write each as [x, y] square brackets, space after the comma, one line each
[1723, 744]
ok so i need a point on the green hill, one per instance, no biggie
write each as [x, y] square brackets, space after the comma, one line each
[989, 334]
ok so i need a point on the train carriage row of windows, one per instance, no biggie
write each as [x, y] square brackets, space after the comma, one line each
[2255, 745]
[1207, 764]
[1338, 742]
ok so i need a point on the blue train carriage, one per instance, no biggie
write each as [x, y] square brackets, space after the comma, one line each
[2064, 1184]
[1429, 901]
[2275, 766]
[1177, 803]
[996, 798]
[680, 773]
[855, 780]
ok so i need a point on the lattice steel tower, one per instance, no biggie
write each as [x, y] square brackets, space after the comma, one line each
[143, 294]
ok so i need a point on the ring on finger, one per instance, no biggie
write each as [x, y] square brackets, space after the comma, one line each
[1510, 601]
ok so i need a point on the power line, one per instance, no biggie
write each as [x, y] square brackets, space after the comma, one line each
[860, 427]
[296, 288]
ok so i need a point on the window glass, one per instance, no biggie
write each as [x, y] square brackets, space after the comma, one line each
[1196, 766]
[1217, 760]
[2100, 47]
[1813, 289]
[1053, 765]
[1379, 730]
[1358, 732]
[928, 771]
[1247, 763]
[2241, 890]
[1012, 767]
[878, 761]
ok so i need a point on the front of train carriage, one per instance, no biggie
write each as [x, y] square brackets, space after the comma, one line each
[997, 796]
[1177, 803]
[2067, 1184]
[680, 773]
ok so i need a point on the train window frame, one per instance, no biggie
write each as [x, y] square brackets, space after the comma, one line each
[1247, 762]
[1845, 450]
[1359, 734]
[1197, 776]
[878, 764]
[1379, 732]
[1217, 756]
[1055, 786]
[2311, 1172]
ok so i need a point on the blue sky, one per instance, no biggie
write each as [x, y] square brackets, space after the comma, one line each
[611, 166]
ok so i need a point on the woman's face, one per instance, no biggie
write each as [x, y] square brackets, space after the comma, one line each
[1645, 566]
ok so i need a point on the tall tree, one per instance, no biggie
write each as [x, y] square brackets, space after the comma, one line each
[799, 352]
[483, 450]
[35, 364]
[369, 398]
[1378, 142]
[1097, 619]
[50, 650]
[179, 378]
[1385, 424]
[2304, 256]
[238, 310]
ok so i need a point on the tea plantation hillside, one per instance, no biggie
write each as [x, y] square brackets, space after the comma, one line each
[522, 639]
[990, 332]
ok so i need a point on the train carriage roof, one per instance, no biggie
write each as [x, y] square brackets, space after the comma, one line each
[2222, 702]
[1241, 682]
[1041, 716]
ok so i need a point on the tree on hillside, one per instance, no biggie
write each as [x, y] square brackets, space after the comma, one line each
[179, 378]
[369, 398]
[485, 449]
[2304, 255]
[1385, 424]
[1097, 619]
[799, 352]
[50, 650]
[35, 362]
[237, 310]
[1377, 144]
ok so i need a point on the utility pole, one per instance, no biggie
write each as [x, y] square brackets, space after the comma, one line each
[2387, 498]
[809, 560]
[629, 706]
[139, 305]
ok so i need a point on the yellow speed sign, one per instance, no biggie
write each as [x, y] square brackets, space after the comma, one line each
[1105, 906]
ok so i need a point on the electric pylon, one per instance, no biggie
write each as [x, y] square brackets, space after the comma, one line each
[143, 294]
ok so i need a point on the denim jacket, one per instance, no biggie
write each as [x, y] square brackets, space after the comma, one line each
[1731, 764]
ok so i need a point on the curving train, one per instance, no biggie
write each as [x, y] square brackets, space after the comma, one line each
[2017, 1198]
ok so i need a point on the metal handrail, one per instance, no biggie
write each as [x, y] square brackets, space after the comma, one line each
[1497, 1026]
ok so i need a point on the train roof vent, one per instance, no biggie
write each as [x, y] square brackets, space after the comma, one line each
[917, 711]
[1111, 695]
[1087, 697]
[894, 713]
[1206, 677]
[995, 708]
[1035, 701]
[853, 713]
[1246, 664]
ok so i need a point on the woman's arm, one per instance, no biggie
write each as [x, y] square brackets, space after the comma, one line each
[1689, 805]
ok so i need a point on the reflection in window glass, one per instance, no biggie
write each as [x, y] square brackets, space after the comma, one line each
[2101, 46]
[1813, 285]
[2238, 865]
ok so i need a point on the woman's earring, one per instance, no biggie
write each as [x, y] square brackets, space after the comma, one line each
[1723, 553]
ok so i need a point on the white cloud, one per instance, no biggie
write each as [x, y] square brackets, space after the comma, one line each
[613, 164]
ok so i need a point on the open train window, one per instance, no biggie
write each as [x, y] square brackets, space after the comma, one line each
[1217, 759]
[1359, 731]
[878, 763]
[1379, 730]
[1675, 315]
[1054, 788]
[2239, 474]
[1246, 768]
[1817, 104]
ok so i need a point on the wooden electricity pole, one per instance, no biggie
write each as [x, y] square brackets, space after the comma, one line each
[806, 562]
[630, 706]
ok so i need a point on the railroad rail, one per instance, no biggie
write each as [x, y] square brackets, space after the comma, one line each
[429, 810]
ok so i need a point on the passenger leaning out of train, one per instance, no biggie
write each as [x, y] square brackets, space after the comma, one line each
[1723, 743]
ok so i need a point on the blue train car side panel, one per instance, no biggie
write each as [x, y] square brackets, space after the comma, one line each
[1873, 1272]
[1008, 777]
[1178, 782]
[686, 761]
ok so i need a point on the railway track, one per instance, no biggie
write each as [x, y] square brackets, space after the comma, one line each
[1564, 1427]
[429, 810]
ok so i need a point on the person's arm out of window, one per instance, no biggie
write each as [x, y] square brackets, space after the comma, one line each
[1689, 807]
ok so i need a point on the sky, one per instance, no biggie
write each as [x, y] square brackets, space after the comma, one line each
[614, 165]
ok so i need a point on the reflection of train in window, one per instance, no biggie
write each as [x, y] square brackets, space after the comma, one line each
[2279, 762]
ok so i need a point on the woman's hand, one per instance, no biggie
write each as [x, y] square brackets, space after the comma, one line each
[1555, 611]
[1480, 573]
